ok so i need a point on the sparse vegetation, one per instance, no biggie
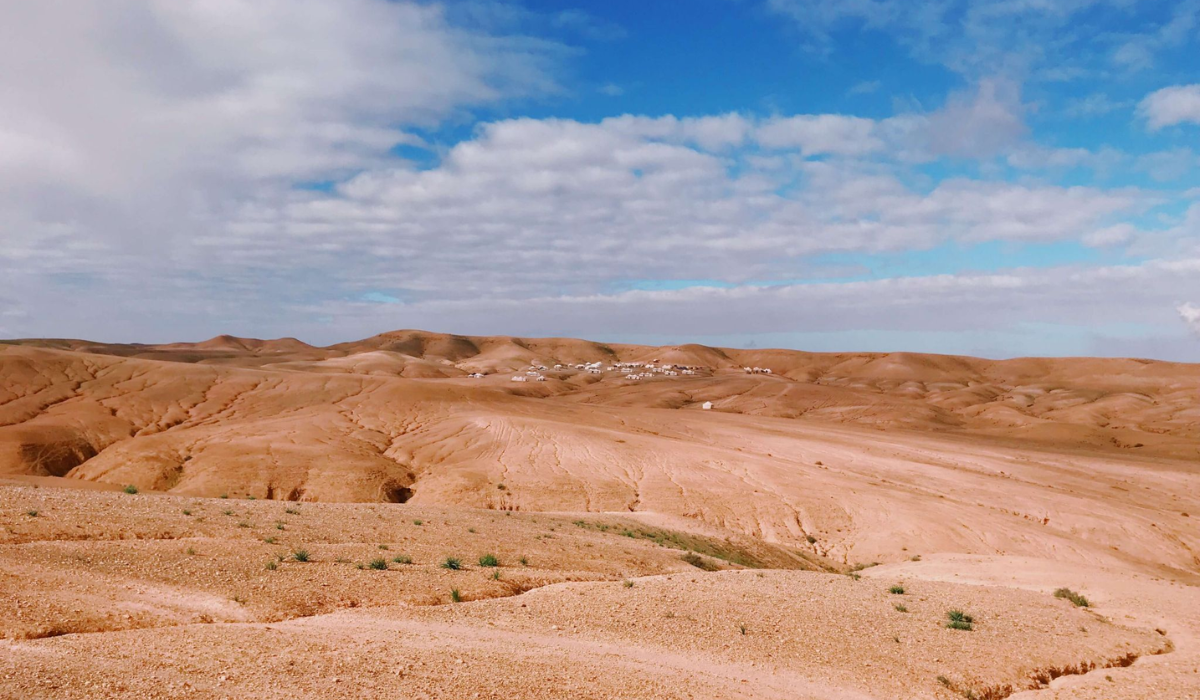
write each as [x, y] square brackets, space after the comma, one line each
[243, 524]
[628, 584]
[224, 495]
[291, 511]
[742, 629]
[227, 512]
[130, 489]
[699, 562]
[271, 565]
[300, 555]
[379, 564]
[455, 596]
[471, 530]
[489, 560]
[900, 607]
[958, 620]
[31, 513]
[383, 547]
[280, 526]
[402, 559]
[418, 522]
[496, 575]
[269, 540]
[1072, 596]
[524, 561]
[896, 590]
[451, 563]
[186, 511]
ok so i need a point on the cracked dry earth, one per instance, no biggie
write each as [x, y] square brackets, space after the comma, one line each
[644, 548]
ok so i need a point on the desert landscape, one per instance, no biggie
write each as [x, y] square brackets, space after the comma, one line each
[398, 517]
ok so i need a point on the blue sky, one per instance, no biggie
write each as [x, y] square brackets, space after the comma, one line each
[992, 177]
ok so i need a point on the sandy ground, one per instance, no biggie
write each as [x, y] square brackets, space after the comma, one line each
[644, 547]
[116, 595]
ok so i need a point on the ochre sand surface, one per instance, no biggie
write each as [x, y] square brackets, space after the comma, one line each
[646, 547]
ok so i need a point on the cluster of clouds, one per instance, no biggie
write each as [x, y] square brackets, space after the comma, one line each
[168, 166]
[1049, 40]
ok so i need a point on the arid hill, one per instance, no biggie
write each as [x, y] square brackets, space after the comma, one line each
[595, 475]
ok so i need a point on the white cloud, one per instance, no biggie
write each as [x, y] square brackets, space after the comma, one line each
[820, 134]
[143, 116]
[1190, 313]
[1170, 106]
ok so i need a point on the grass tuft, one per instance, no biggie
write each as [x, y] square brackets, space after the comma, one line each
[300, 555]
[402, 559]
[31, 513]
[451, 563]
[379, 564]
[896, 590]
[900, 607]
[959, 620]
[489, 560]
[130, 489]
[271, 565]
[455, 596]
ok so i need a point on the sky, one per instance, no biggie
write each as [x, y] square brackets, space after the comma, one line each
[997, 178]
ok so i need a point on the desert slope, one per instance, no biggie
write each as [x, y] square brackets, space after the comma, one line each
[646, 547]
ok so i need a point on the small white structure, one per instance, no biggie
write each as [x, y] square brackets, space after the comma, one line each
[519, 379]
[707, 405]
[476, 375]
[540, 379]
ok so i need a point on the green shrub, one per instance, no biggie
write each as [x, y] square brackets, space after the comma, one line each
[489, 560]
[451, 563]
[300, 555]
[186, 511]
[402, 559]
[1072, 596]
[628, 584]
[31, 513]
[900, 607]
[896, 590]
[378, 564]
[455, 596]
[130, 489]
[417, 522]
